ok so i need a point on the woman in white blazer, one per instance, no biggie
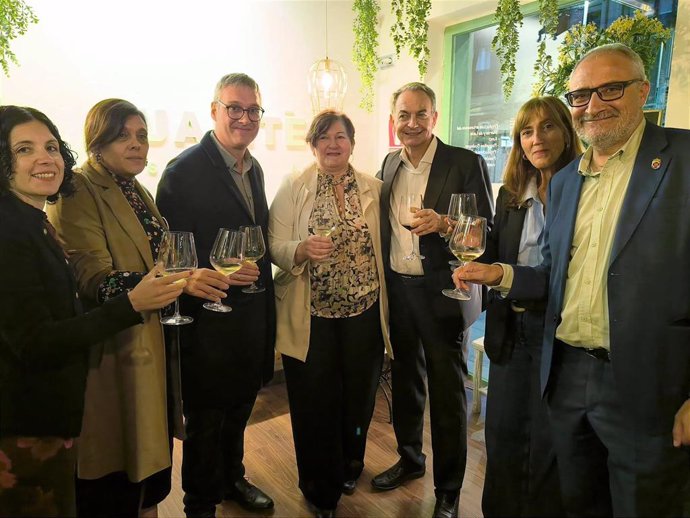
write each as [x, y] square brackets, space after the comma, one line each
[332, 311]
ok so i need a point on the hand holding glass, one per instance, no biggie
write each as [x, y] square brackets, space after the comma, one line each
[254, 249]
[467, 243]
[177, 253]
[325, 220]
[226, 258]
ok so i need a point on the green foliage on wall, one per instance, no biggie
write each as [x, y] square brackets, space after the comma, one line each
[506, 41]
[410, 30]
[365, 46]
[642, 34]
[15, 18]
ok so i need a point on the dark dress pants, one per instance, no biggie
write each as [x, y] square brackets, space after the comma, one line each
[426, 344]
[221, 368]
[521, 471]
[609, 464]
[332, 396]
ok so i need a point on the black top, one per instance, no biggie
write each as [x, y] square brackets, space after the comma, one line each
[44, 334]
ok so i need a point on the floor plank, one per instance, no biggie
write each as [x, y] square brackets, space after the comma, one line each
[270, 463]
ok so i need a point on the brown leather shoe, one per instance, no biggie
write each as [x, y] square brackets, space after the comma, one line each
[395, 476]
[248, 496]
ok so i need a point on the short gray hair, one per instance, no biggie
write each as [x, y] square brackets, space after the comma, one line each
[414, 87]
[235, 79]
[616, 48]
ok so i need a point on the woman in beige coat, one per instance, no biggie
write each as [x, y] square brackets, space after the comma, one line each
[331, 309]
[112, 230]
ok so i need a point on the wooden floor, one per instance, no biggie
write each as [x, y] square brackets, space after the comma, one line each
[270, 463]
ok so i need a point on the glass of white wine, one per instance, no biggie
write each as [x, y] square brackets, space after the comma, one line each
[254, 249]
[177, 253]
[226, 258]
[325, 220]
[410, 204]
[467, 243]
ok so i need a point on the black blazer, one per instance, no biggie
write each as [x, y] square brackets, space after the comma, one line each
[44, 337]
[198, 194]
[453, 170]
[502, 245]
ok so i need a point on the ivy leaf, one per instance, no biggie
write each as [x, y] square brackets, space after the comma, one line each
[15, 18]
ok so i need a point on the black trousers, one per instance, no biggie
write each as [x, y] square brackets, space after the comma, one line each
[212, 454]
[332, 396]
[609, 464]
[425, 344]
[521, 472]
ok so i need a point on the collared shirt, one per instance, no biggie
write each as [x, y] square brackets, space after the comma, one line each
[241, 178]
[409, 180]
[529, 251]
[584, 317]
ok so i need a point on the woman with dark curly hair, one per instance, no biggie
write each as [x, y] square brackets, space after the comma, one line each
[45, 336]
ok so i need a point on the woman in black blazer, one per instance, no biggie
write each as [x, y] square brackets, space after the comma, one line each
[521, 478]
[44, 335]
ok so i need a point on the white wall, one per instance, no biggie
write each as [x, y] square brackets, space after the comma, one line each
[166, 59]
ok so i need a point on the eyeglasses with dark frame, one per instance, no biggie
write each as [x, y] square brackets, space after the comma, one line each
[607, 92]
[236, 112]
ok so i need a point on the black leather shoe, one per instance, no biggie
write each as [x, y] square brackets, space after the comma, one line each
[446, 506]
[320, 512]
[395, 476]
[249, 496]
[349, 486]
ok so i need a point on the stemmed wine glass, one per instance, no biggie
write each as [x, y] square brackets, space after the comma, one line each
[254, 249]
[178, 254]
[410, 204]
[325, 220]
[460, 203]
[226, 258]
[467, 243]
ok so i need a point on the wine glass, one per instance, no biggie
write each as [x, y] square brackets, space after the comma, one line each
[410, 204]
[325, 220]
[467, 243]
[460, 203]
[226, 258]
[254, 249]
[177, 253]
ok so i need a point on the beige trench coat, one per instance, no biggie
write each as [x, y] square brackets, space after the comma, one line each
[125, 414]
[288, 226]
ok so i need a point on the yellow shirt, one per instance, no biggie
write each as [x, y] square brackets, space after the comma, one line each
[584, 318]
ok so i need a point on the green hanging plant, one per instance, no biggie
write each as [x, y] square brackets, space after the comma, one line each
[506, 41]
[15, 18]
[548, 20]
[642, 34]
[411, 30]
[365, 47]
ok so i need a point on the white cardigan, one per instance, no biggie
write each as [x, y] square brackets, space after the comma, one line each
[288, 226]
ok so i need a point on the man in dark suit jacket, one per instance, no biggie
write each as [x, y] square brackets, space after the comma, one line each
[616, 354]
[429, 332]
[226, 357]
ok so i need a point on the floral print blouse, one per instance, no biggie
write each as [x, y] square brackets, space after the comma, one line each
[347, 284]
[119, 281]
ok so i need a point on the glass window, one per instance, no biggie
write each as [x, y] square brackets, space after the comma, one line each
[480, 119]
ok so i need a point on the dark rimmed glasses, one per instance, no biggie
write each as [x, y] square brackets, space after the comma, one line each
[236, 112]
[607, 92]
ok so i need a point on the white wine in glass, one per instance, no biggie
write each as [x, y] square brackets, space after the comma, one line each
[177, 253]
[410, 204]
[467, 242]
[325, 220]
[226, 258]
[254, 250]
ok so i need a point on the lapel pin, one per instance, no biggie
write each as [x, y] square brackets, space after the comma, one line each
[656, 163]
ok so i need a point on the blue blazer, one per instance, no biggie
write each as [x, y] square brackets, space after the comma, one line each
[648, 277]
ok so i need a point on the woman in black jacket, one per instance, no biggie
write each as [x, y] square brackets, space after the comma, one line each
[521, 477]
[44, 334]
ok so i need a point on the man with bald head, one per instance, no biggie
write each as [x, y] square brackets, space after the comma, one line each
[616, 357]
